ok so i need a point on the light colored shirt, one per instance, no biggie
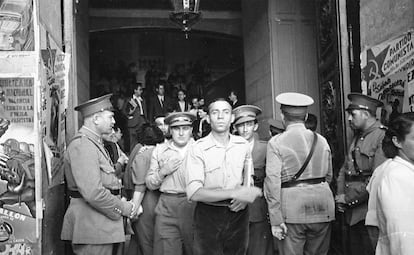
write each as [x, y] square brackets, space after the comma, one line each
[173, 183]
[395, 209]
[372, 188]
[182, 105]
[139, 100]
[286, 153]
[211, 165]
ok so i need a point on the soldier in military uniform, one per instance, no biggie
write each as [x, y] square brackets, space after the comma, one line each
[93, 221]
[260, 235]
[298, 172]
[365, 154]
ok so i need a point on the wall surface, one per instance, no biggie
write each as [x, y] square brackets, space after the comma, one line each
[257, 59]
[383, 19]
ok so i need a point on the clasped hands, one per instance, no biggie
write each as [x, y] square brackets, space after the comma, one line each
[242, 196]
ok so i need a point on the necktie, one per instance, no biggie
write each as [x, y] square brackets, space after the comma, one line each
[162, 102]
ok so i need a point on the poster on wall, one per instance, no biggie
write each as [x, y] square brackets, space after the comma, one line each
[54, 102]
[16, 25]
[386, 69]
[17, 166]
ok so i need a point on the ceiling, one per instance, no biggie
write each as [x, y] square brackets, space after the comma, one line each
[207, 5]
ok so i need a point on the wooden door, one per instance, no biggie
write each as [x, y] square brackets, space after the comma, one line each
[294, 49]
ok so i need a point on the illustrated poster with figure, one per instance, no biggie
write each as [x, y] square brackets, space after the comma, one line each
[17, 166]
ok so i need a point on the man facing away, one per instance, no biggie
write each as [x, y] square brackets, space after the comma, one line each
[216, 167]
[260, 235]
[173, 221]
[93, 221]
[298, 172]
[365, 154]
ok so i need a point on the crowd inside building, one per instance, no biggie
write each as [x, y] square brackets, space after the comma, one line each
[196, 179]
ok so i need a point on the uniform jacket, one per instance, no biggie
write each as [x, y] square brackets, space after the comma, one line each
[395, 209]
[135, 119]
[96, 217]
[368, 155]
[258, 209]
[286, 153]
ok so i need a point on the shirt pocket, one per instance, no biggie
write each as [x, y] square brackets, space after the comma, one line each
[108, 178]
[214, 176]
[366, 158]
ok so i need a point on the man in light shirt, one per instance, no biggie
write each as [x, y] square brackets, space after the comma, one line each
[219, 182]
[173, 221]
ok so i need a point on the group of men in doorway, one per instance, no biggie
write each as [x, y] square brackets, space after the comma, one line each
[224, 193]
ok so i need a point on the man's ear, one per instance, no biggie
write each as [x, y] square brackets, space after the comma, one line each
[282, 116]
[256, 126]
[396, 142]
[232, 118]
[208, 119]
[306, 116]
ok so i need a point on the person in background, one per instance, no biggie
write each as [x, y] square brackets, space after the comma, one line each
[298, 173]
[160, 104]
[160, 123]
[365, 154]
[134, 181]
[233, 99]
[136, 112]
[118, 157]
[275, 127]
[311, 122]
[395, 194]
[93, 221]
[173, 221]
[216, 180]
[181, 105]
[260, 235]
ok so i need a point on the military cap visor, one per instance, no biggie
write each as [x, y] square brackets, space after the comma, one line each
[95, 105]
[245, 113]
[293, 103]
[179, 119]
[363, 102]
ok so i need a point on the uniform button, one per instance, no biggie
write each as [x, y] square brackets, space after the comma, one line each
[362, 138]
[347, 185]
[350, 171]
[356, 201]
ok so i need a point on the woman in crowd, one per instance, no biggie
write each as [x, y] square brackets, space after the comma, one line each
[134, 181]
[395, 198]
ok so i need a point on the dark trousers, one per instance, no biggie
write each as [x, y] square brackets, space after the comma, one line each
[219, 231]
[260, 239]
[307, 238]
[359, 240]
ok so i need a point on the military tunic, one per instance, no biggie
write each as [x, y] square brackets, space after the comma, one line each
[96, 217]
[260, 235]
[365, 154]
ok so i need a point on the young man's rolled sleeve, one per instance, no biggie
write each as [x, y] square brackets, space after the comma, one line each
[194, 174]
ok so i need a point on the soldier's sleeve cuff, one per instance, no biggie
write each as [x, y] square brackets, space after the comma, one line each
[192, 188]
[140, 188]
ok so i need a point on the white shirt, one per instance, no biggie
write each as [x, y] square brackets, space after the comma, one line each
[139, 100]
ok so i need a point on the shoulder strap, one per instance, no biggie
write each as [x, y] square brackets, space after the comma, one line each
[308, 158]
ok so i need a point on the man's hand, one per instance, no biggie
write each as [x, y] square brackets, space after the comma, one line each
[123, 159]
[172, 165]
[247, 194]
[237, 205]
[340, 203]
[280, 232]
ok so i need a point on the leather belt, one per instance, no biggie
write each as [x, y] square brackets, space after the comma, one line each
[76, 194]
[173, 194]
[290, 184]
[356, 178]
[226, 202]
